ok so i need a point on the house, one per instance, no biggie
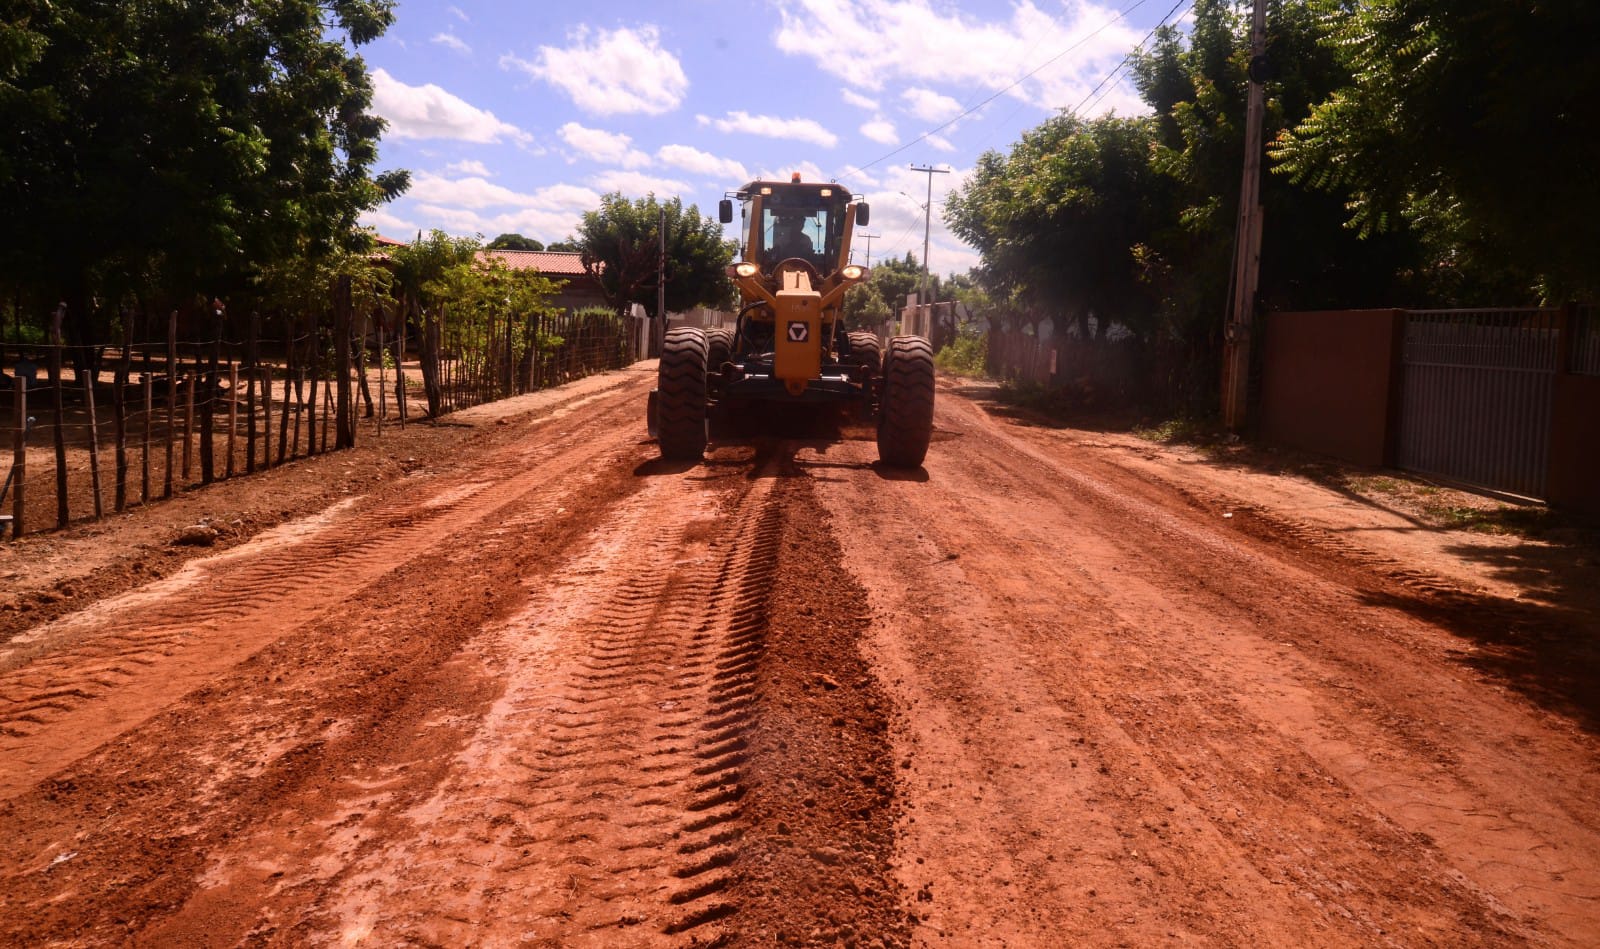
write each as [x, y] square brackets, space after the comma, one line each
[579, 289]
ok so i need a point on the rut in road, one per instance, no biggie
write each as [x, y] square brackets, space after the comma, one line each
[600, 798]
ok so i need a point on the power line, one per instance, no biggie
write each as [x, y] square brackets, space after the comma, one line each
[1131, 53]
[1015, 83]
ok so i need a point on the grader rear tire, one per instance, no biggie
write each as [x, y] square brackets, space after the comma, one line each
[867, 350]
[719, 347]
[905, 422]
[681, 394]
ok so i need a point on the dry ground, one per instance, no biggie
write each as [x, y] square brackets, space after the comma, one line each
[514, 681]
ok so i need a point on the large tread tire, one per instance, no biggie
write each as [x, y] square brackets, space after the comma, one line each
[719, 347]
[905, 421]
[681, 399]
[867, 350]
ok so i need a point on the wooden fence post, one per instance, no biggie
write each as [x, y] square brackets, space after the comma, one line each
[299, 409]
[399, 365]
[266, 430]
[119, 410]
[208, 408]
[233, 412]
[191, 382]
[144, 451]
[59, 403]
[383, 393]
[172, 397]
[344, 422]
[288, 379]
[19, 456]
[94, 440]
[250, 395]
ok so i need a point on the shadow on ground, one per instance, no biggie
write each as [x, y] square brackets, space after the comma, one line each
[1545, 645]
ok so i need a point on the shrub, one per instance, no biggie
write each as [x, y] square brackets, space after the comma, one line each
[967, 354]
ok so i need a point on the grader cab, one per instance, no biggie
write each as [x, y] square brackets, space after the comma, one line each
[789, 344]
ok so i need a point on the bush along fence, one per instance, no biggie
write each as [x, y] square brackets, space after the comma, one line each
[134, 422]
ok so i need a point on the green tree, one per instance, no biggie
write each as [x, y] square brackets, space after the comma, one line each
[894, 280]
[173, 146]
[1474, 124]
[620, 246]
[863, 308]
[514, 242]
[1057, 220]
[419, 275]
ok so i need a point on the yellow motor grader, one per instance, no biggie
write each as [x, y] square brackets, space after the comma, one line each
[788, 344]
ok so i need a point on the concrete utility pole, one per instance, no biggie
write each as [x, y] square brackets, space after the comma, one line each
[927, 224]
[1247, 241]
[869, 238]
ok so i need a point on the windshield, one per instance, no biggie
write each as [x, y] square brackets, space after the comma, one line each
[801, 222]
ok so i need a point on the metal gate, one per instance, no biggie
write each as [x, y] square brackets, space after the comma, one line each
[1476, 396]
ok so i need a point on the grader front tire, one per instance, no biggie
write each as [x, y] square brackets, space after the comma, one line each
[905, 421]
[681, 398]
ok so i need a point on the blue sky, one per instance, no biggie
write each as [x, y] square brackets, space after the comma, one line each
[518, 116]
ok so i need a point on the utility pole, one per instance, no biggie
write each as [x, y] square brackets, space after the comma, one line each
[869, 238]
[1247, 240]
[927, 224]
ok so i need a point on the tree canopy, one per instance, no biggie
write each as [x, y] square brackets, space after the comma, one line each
[164, 147]
[1472, 123]
[620, 245]
[514, 242]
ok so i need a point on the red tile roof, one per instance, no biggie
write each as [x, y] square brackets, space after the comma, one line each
[559, 263]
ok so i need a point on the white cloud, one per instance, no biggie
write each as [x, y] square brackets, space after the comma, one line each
[468, 167]
[621, 71]
[940, 143]
[855, 178]
[695, 161]
[858, 100]
[801, 130]
[634, 184]
[458, 14]
[472, 205]
[476, 193]
[808, 172]
[389, 224]
[430, 112]
[873, 42]
[540, 223]
[451, 41]
[897, 219]
[611, 148]
[930, 106]
[881, 130]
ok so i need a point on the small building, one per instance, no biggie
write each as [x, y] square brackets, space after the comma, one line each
[578, 290]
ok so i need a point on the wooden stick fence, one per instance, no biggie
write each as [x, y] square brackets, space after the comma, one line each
[296, 399]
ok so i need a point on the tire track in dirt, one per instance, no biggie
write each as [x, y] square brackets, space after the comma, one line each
[1210, 767]
[599, 798]
[126, 658]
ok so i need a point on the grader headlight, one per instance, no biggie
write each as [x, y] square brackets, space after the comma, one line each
[853, 272]
[743, 269]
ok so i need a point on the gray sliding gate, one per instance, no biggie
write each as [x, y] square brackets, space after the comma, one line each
[1476, 395]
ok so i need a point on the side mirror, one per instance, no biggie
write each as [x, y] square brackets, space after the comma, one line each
[863, 214]
[725, 211]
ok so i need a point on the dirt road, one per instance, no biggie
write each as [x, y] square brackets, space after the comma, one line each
[542, 689]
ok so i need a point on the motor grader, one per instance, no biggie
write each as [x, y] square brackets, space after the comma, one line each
[789, 345]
